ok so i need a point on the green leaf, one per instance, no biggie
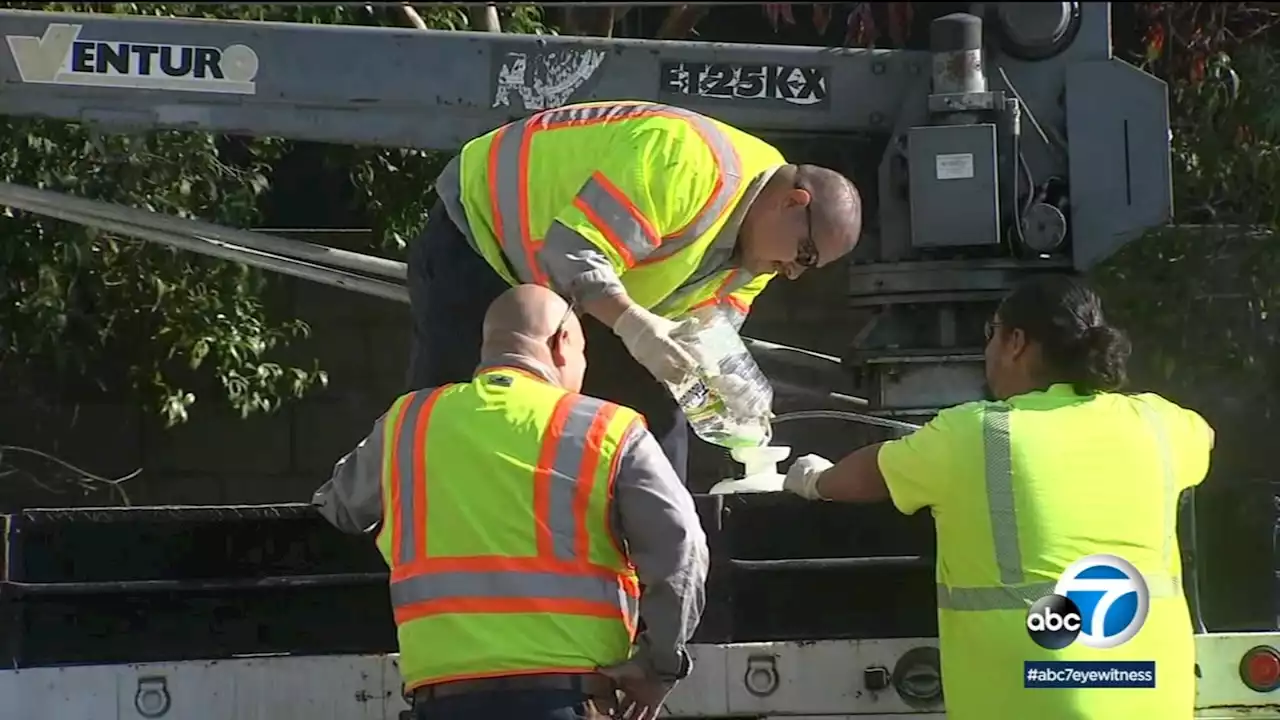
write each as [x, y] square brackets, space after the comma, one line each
[150, 319]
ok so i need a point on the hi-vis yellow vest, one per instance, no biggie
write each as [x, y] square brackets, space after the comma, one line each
[1033, 484]
[651, 186]
[496, 501]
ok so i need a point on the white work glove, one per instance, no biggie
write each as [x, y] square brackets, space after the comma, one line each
[648, 338]
[802, 478]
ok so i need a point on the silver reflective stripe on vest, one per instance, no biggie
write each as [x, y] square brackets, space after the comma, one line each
[509, 145]
[514, 585]
[1020, 597]
[717, 259]
[695, 290]
[632, 236]
[996, 597]
[565, 468]
[998, 466]
[410, 425]
[1014, 593]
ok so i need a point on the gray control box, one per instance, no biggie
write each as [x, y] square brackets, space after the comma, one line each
[955, 193]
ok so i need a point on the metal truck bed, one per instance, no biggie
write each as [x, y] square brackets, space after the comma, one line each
[184, 583]
[829, 680]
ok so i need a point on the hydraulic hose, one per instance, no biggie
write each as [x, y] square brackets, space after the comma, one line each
[845, 415]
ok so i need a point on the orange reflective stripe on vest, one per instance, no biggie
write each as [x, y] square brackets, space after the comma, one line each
[627, 230]
[560, 578]
[733, 282]
[409, 461]
[709, 292]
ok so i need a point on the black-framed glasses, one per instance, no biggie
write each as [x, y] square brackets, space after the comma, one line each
[989, 329]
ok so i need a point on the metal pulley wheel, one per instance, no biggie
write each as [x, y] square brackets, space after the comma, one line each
[1044, 227]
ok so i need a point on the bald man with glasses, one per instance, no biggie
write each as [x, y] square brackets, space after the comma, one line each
[637, 213]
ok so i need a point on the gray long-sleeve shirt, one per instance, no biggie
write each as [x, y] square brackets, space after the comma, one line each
[653, 518]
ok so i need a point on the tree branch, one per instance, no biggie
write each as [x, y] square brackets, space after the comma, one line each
[81, 477]
[484, 17]
[413, 17]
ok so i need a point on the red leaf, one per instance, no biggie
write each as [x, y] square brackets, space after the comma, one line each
[900, 16]
[861, 26]
[1155, 41]
[821, 17]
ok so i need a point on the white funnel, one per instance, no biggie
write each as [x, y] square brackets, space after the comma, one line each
[761, 470]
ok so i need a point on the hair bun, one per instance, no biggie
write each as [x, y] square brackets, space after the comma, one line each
[1106, 351]
[1098, 336]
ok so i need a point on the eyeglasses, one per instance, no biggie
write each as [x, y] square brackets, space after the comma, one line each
[990, 329]
[807, 248]
[554, 340]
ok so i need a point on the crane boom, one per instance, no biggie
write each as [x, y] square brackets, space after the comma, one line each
[412, 88]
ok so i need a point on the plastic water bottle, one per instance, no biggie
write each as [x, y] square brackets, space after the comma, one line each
[727, 399]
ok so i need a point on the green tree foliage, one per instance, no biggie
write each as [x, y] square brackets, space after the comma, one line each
[75, 302]
[1199, 298]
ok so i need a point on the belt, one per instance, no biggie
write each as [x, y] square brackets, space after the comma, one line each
[590, 684]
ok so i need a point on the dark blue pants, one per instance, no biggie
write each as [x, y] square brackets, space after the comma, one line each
[450, 288]
[507, 705]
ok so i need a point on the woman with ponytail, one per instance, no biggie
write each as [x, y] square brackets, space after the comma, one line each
[1059, 481]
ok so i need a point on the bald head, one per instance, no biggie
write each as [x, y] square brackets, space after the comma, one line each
[529, 310]
[806, 216]
[536, 323]
[836, 207]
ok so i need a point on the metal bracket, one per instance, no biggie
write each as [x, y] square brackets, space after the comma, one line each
[152, 699]
[966, 102]
[762, 678]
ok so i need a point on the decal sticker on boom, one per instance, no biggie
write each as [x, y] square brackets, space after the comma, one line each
[542, 80]
[60, 57]
[805, 86]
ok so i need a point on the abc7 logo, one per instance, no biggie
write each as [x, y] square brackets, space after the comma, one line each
[1100, 601]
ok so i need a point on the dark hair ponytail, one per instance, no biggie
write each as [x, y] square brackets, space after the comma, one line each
[1065, 318]
[1102, 368]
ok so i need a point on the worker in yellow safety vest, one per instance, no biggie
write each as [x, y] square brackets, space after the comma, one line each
[520, 519]
[1026, 492]
[636, 212]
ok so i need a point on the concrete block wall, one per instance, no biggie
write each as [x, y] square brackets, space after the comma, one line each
[219, 458]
